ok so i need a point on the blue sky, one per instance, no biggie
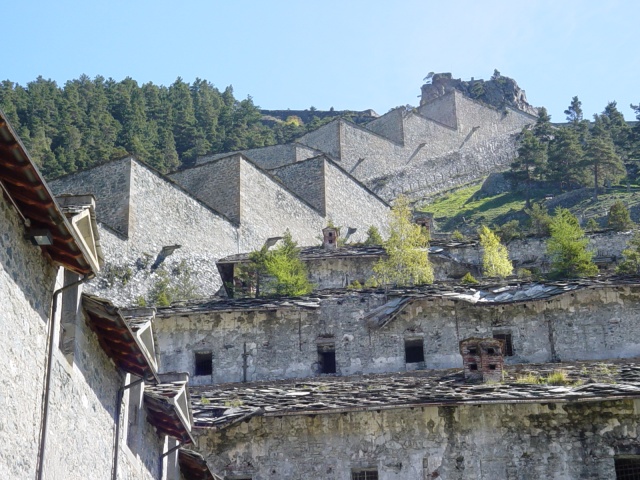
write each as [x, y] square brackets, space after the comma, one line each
[347, 54]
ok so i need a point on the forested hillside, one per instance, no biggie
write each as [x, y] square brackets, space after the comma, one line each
[89, 121]
[579, 153]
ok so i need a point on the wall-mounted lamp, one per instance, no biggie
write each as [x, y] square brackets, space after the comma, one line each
[39, 236]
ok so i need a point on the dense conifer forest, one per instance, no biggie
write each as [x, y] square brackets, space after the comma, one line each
[90, 121]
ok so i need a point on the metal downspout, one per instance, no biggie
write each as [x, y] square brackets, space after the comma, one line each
[47, 382]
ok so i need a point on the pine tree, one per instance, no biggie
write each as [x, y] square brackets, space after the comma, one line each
[407, 261]
[567, 248]
[373, 236]
[495, 257]
[566, 166]
[619, 218]
[631, 263]
[288, 274]
[576, 119]
[529, 163]
[601, 157]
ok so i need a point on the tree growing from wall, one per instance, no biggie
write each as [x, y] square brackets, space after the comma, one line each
[495, 257]
[567, 248]
[373, 236]
[278, 272]
[407, 262]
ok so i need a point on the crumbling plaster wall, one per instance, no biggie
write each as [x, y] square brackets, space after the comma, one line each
[83, 393]
[281, 341]
[509, 441]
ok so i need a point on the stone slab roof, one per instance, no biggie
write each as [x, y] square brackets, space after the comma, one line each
[319, 252]
[486, 294]
[220, 406]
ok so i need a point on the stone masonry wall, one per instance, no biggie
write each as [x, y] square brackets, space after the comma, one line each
[390, 125]
[326, 139]
[216, 183]
[109, 184]
[282, 342]
[26, 284]
[306, 179]
[161, 214]
[350, 204]
[83, 393]
[509, 441]
[270, 157]
[268, 209]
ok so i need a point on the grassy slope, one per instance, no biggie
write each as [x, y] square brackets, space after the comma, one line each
[461, 209]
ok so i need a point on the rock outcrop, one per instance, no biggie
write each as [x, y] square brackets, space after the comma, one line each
[499, 92]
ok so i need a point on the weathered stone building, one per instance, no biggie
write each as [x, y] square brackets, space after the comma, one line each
[71, 405]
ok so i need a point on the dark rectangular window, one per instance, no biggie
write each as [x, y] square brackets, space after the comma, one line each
[364, 474]
[508, 344]
[327, 358]
[627, 468]
[204, 364]
[413, 350]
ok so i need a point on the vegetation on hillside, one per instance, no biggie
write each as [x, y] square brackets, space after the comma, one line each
[90, 121]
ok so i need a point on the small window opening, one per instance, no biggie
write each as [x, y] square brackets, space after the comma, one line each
[413, 350]
[473, 366]
[204, 364]
[364, 474]
[491, 351]
[627, 468]
[473, 351]
[327, 358]
[492, 366]
[508, 344]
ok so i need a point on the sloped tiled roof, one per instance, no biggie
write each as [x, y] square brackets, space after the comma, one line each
[166, 409]
[220, 406]
[27, 190]
[118, 337]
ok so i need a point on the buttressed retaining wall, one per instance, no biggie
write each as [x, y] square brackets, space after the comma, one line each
[158, 214]
[447, 142]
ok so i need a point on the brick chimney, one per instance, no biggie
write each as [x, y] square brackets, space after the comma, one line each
[330, 238]
[482, 359]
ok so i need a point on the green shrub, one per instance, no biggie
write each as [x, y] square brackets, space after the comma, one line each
[468, 279]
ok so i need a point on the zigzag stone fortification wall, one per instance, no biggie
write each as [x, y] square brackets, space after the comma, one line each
[448, 141]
